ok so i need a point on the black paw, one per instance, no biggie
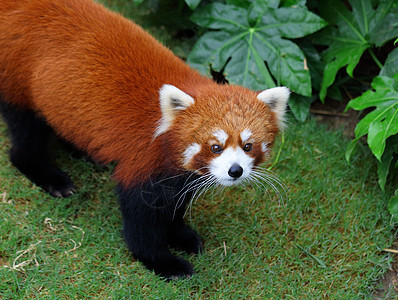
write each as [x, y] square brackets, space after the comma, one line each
[53, 181]
[60, 186]
[168, 266]
[48, 177]
[185, 239]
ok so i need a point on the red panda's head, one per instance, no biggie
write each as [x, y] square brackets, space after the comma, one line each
[223, 132]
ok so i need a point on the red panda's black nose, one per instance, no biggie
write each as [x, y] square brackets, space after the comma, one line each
[235, 171]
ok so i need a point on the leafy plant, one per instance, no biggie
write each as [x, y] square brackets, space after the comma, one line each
[243, 35]
[381, 124]
[357, 26]
[368, 23]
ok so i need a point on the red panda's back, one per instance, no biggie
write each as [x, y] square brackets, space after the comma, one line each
[92, 74]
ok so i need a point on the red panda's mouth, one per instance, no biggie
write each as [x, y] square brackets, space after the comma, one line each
[231, 181]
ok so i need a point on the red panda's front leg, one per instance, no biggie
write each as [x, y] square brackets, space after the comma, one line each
[182, 237]
[153, 220]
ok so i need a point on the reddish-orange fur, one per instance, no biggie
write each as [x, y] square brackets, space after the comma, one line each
[95, 77]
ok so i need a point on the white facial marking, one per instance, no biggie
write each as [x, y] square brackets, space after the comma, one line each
[245, 135]
[221, 136]
[264, 147]
[220, 165]
[190, 152]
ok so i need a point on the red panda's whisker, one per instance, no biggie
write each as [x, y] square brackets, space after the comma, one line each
[270, 181]
[273, 175]
[270, 175]
[192, 184]
[262, 177]
[195, 186]
[266, 179]
[252, 180]
[168, 178]
[270, 184]
[188, 183]
[208, 183]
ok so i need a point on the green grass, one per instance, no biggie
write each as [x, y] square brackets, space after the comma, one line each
[324, 240]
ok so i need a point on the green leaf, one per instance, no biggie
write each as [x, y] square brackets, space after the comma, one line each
[387, 24]
[290, 22]
[300, 106]
[351, 149]
[259, 9]
[382, 122]
[383, 167]
[393, 206]
[212, 48]
[293, 3]
[350, 34]
[391, 64]
[337, 57]
[192, 4]
[240, 3]
[262, 68]
[221, 16]
[319, 261]
[248, 37]
[314, 63]
[382, 171]
[285, 61]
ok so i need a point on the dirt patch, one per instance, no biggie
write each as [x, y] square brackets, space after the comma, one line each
[3, 260]
[332, 113]
[389, 283]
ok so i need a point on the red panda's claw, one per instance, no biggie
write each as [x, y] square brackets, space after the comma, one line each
[61, 192]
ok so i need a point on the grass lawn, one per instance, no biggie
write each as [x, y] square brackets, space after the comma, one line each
[324, 239]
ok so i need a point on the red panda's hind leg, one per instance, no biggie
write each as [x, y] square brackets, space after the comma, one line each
[29, 138]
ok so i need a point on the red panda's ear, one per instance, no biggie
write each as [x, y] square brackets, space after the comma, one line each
[276, 98]
[172, 100]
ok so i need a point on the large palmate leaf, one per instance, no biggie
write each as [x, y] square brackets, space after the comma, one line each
[243, 38]
[382, 122]
[367, 23]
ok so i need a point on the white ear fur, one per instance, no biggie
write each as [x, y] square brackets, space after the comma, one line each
[276, 98]
[172, 100]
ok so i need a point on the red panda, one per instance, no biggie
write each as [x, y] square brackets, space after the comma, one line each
[103, 84]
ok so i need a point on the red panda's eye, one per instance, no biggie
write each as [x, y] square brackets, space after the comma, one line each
[216, 149]
[247, 147]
